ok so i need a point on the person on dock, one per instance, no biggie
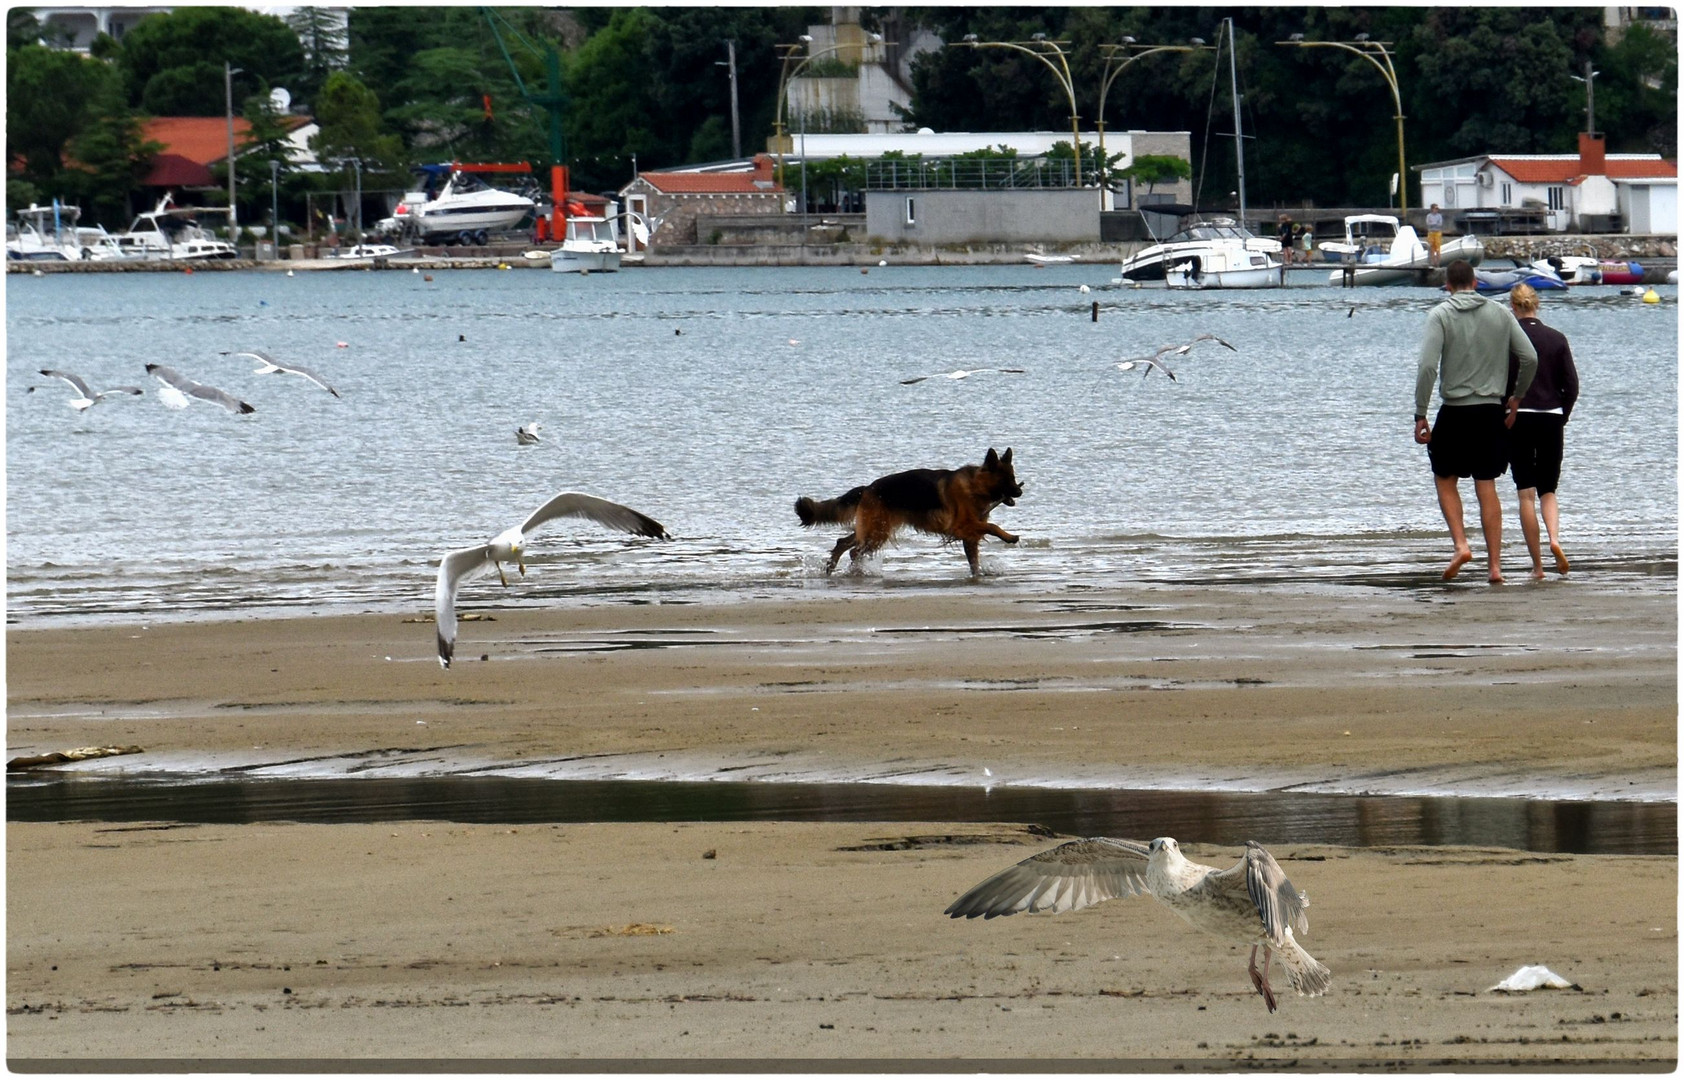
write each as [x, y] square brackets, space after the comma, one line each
[1435, 233]
[1536, 438]
[1283, 232]
[1466, 349]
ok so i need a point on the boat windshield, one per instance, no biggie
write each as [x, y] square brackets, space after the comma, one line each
[1209, 230]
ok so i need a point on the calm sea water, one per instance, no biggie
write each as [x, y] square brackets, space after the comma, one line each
[710, 399]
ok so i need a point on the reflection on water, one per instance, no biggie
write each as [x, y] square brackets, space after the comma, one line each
[1598, 828]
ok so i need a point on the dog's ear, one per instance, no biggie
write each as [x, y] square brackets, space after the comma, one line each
[1006, 458]
[991, 460]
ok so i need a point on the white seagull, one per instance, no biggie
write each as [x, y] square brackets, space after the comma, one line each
[85, 397]
[962, 373]
[1146, 364]
[527, 434]
[510, 546]
[1186, 347]
[1251, 902]
[270, 365]
[184, 387]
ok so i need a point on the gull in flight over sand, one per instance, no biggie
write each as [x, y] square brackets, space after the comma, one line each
[85, 397]
[510, 546]
[178, 388]
[270, 365]
[527, 434]
[962, 373]
[1251, 902]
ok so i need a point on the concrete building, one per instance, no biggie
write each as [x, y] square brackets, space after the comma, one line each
[855, 82]
[1570, 191]
[80, 25]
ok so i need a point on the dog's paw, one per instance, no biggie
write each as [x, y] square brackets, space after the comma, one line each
[1009, 538]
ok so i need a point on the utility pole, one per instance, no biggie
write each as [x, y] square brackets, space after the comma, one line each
[730, 62]
[1589, 79]
[233, 213]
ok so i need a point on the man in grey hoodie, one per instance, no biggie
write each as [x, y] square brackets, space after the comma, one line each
[1466, 350]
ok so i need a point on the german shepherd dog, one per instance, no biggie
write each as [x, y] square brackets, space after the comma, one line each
[953, 503]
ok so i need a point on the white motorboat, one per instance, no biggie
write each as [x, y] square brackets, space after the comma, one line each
[463, 209]
[1205, 253]
[1214, 253]
[591, 246]
[51, 233]
[1571, 269]
[364, 251]
[173, 232]
[1379, 251]
[1035, 258]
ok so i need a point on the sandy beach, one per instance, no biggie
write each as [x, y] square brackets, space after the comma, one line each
[808, 943]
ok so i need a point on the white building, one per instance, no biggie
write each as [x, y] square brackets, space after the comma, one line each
[1574, 191]
[82, 24]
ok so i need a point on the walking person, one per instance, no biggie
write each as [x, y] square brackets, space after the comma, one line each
[1283, 232]
[1466, 349]
[1435, 232]
[1536, 437]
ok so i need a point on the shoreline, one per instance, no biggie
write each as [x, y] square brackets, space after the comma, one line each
[1566, 694]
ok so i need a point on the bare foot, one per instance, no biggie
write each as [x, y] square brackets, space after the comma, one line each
[1496, 577]
[1462, 559]
[1537, 573]
[1560, 558]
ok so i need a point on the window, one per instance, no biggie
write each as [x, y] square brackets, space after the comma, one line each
[911, 211]
[1557, 199]
[1508, 194]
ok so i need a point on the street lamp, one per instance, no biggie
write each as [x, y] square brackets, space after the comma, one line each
[788, 53]
[1589, 79]
[730, 62]
[1121, 56]
[228, 91]
[1045, 51]
[275, 206]
[1375, 53]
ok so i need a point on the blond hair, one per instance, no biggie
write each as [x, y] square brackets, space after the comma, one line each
[1523, 298]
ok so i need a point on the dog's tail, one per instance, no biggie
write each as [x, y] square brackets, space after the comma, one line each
[837, 511]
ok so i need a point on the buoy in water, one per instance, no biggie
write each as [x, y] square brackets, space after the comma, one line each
[341, 345]
[1651, 297]
[289, 273]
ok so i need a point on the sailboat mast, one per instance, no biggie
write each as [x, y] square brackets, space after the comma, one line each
[1239, 140]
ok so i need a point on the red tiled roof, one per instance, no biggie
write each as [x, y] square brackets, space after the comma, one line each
[1559, 170]
[689, 183]
[193, 143]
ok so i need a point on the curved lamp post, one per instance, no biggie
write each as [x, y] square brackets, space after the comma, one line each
[788, 53]
[1045, 51]
[1375, 53]
[1117, 58]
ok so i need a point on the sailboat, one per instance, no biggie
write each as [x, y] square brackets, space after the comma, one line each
[1213, 252]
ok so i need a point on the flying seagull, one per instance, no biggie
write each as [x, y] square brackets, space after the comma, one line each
[962, 373]
[1146, 364]
[271, 365]
[1186, 347]
[527, 434]
[510, 545]
[1251, 902]
[85, 397]
[185, 387]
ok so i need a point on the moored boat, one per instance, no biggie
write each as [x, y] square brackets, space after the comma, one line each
[173, 232]
[591, 246]
[1205, 253]
[1377, 250]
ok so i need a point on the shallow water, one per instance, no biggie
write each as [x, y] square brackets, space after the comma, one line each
[1193, 817]
[711, 398]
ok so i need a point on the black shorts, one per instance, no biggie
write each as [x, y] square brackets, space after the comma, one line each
[1535, 450]
[1469, 440]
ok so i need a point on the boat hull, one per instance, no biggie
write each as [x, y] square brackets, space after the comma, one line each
[1413, 271]
[584, 262]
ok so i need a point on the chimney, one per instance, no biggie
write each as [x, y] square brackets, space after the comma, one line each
[1593, 156]
[763, 166]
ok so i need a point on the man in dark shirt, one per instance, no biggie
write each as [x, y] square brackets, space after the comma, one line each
[1536, 431]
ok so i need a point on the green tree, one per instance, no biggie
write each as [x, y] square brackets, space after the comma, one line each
[111, 158]
[323, 37]
[1155, 169]
[50, 98]
[172, 63]
[348, 120]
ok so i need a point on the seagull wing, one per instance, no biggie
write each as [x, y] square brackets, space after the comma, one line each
[296, 369]
[1065, 878]
[76, 381]
[261, 357]
[1259, 876]
[221, 397]
[133, 390]
[171, 377]
[455, 568]
[921, 378]
[601, 511]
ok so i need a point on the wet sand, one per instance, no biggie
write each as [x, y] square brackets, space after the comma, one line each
[812, 942]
